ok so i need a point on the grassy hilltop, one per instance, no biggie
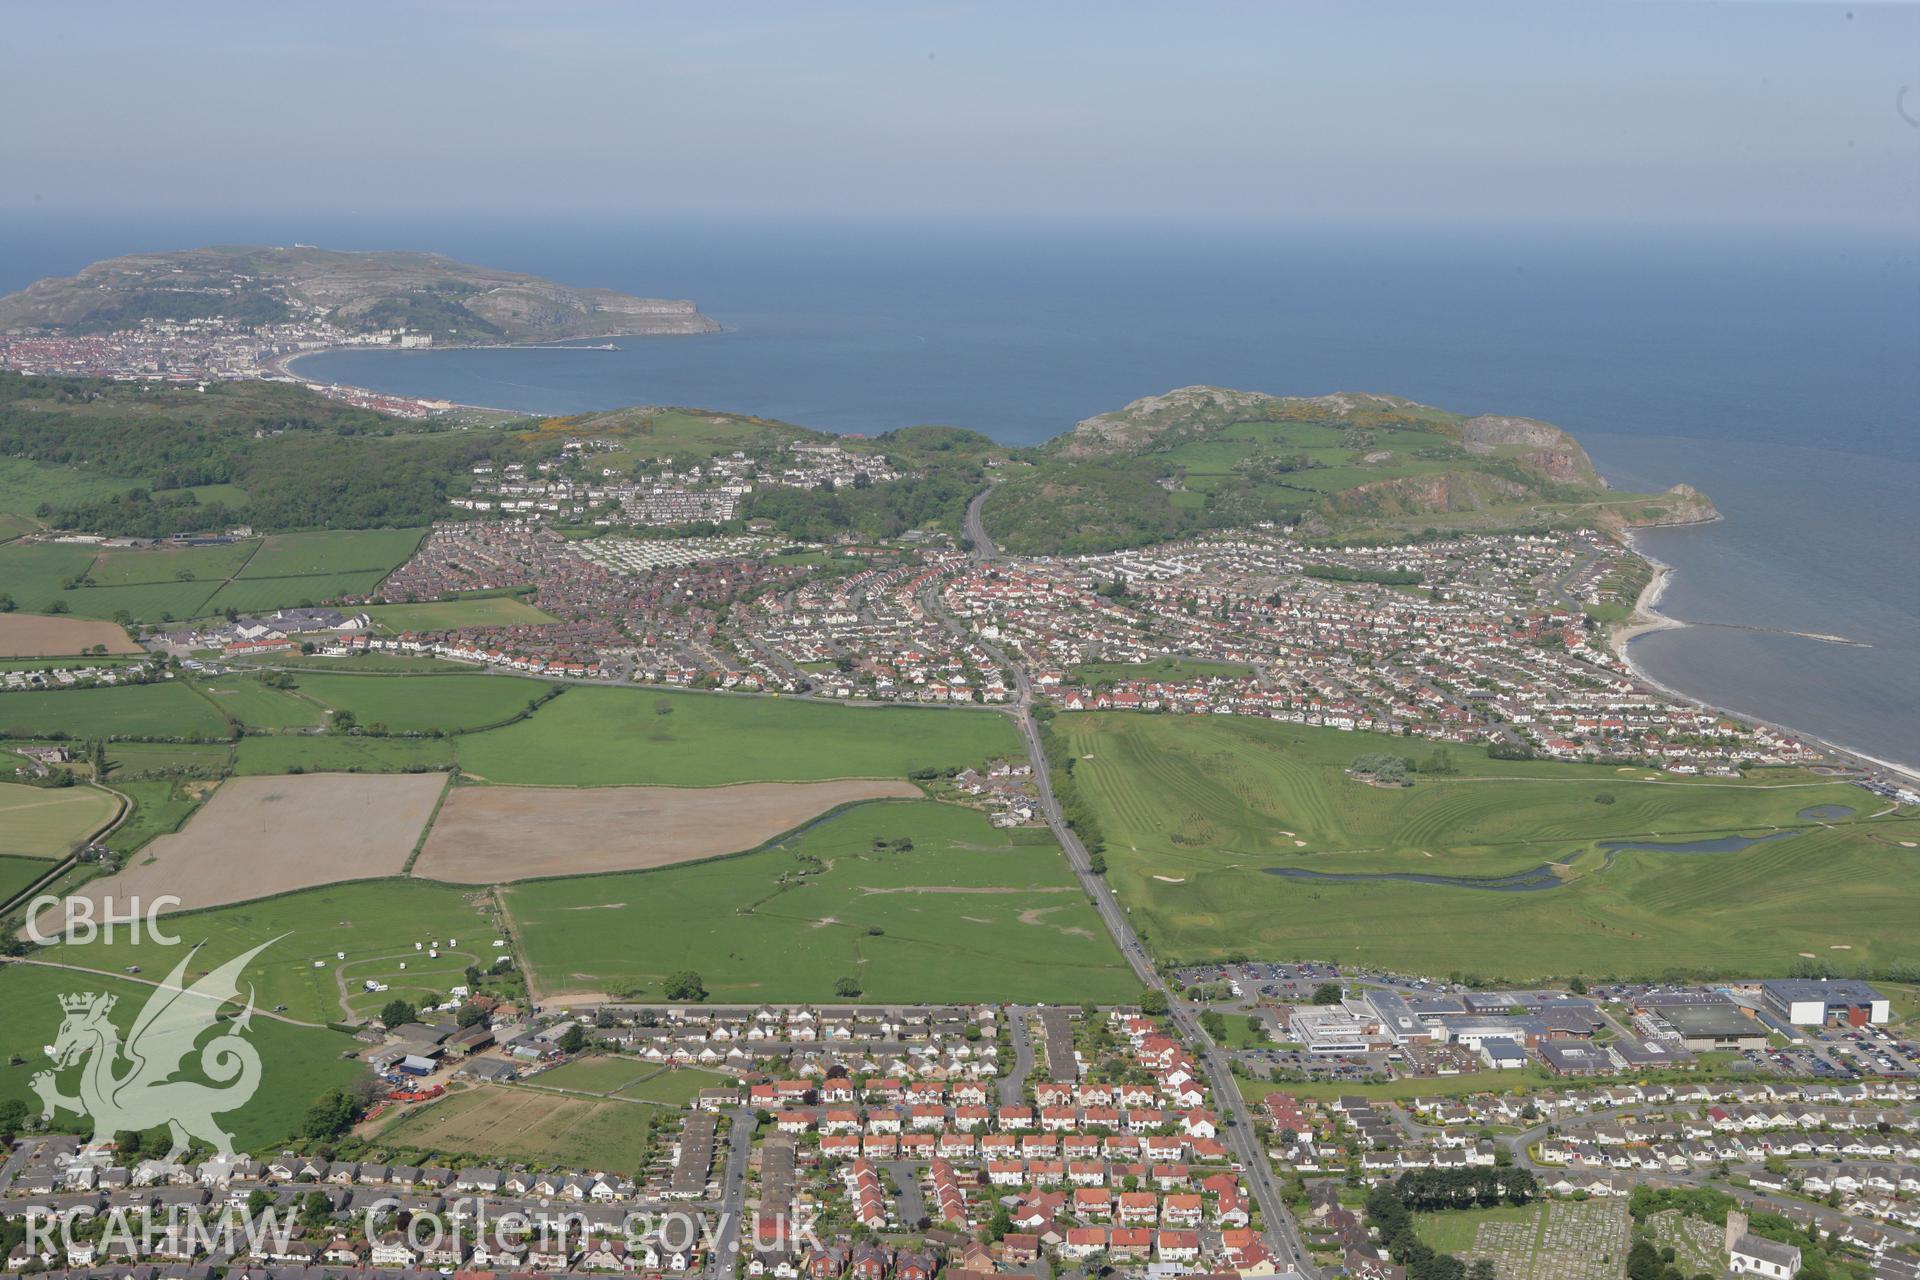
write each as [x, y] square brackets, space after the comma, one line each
[1337, 466]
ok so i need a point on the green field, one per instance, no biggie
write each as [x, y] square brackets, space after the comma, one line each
[245, 699]
[605, 736]
[333, 552]
[135, 566]
[173, 584]
[17, 873]
[297, 1063]
[375, 922]
[676, 1087]
[158, 808]
[339, 753]
[969, 913]
[163, 709]
[424, 703]
[629, 1077]
[445, 615]
[1193, 811]
[131, 760]
[25, 485]
[50, 822]
[393, 704]
[33, 574]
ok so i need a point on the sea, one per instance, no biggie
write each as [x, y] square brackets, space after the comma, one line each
[1780, 373]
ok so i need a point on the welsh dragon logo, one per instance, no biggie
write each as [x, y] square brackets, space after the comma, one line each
[136, 1084]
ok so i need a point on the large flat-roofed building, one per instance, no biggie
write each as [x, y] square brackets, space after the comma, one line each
[1329, 1030]
[1397, 1018]
[1576, 1058]
[1815, 1002]
[1713, 1026]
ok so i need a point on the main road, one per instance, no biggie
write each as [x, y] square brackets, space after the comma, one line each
[1282, 1233]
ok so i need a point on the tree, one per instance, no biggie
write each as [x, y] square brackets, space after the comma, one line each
[331, 1115]
[1214, 1024]
[1327, 993]
[847, 988]
[470, 1015]
[259, 1200]
[573, 1039]
[1578, 986]
[1483, 1269]
[128, 1142]
[1153, 1002]
[686, 985]
[396, 1012]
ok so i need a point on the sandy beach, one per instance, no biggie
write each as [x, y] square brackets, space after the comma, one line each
[1647, 619]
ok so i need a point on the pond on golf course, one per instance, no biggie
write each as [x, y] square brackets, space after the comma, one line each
[1535, 879]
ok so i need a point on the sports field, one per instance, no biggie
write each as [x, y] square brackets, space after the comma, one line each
[162, 709]
[49, 822]
[968, 913]
[1195, 812]
[375, 923]
[298, 1064]
[445, 615]
[598, 736]
[503, 1124]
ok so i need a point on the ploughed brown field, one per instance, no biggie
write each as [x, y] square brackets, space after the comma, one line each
[490, 835]
[262, 836]
[32, 635]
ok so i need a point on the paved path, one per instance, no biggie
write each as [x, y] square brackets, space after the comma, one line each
[1282, 1233]
[733, 1196]
[1013, 1087]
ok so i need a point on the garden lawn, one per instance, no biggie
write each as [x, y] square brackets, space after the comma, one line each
[596, 736]
[298, 1064]
[967, 914]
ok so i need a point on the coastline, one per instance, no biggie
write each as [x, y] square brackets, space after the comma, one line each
[283, 365]
[1647, 619]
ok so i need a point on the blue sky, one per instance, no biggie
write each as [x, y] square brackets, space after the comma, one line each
[1631, 115]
